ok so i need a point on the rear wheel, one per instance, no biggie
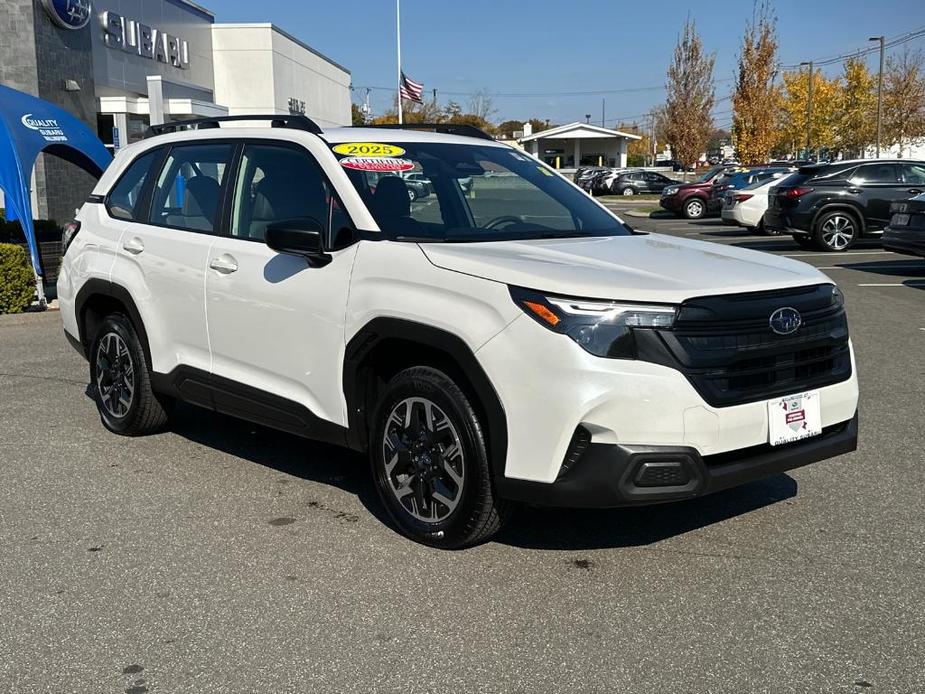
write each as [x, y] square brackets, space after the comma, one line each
[430, 462]
[836, 231]
[762, 230]
[695, 208]
[412, 195]
[628, 191]
[121, 382]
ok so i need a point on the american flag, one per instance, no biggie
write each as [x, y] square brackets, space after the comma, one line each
[410, 90]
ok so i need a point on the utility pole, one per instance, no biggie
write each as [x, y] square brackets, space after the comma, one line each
[435, 97]
[879, 91]
[603, 111]
[809, 107]
[398, 45]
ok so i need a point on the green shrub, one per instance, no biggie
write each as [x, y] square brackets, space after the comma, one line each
[17, 281]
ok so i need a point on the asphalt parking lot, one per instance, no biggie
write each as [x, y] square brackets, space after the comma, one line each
[224, 557]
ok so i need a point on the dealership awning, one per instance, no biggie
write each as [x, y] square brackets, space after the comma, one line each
[29, 126]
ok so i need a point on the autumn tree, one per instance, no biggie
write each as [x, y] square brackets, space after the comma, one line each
[691, 96]
[754, 118]
[857, 124]
[357, 115]
[904, 100]
[828, 99]
[637, 151]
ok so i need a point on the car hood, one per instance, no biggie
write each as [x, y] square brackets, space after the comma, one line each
[645, 267]
[694, 186]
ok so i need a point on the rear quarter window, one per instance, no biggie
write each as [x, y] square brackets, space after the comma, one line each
[124, 200]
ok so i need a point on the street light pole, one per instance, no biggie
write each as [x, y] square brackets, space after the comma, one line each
[809, 107]
[879, 91]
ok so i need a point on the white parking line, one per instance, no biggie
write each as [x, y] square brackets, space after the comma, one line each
[913, 283]
[807, 255]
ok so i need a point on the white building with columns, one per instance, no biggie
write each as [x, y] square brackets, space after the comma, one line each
[578, 144]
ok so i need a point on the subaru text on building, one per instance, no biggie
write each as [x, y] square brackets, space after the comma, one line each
[512, 341]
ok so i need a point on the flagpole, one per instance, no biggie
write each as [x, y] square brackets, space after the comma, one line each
[398, 44]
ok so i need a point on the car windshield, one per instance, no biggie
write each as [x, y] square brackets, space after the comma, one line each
[472, 193]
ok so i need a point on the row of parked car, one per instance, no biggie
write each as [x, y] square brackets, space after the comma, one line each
[827, 206]
[599, 180]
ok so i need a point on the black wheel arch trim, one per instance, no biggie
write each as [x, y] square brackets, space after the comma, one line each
[381, 329]
[835, 206]
[96, 287]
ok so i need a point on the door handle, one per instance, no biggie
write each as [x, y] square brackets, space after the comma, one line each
[225, 264]
[133, 245]
[854, 190]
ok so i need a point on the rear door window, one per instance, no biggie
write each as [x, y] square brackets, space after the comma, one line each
[875, 173]
[188, 192]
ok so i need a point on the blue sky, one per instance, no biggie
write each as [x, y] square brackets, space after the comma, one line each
[545, 47]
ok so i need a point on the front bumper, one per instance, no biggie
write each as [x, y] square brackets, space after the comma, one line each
[622, 402]
[613, 475]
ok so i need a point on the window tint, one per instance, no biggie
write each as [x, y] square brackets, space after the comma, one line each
[875, 173]
[125, 197]
[914, 174]
[188, 190]
[277, 184]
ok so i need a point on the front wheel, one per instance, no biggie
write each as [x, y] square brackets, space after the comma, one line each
[121, 382]
[695, 208]
[412, 196]
[430, 463]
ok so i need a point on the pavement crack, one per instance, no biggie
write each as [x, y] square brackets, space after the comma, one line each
[57, 379]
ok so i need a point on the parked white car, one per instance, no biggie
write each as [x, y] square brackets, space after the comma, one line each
[518, 345]
[746, 207]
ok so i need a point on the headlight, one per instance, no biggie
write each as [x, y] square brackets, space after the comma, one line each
[670, 190]
[603, 328]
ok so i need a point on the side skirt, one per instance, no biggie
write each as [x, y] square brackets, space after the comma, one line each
[229, 397]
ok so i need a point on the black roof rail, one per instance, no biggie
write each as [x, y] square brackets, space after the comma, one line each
[295, 121]
[463, 129]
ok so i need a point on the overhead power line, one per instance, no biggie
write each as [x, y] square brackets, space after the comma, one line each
[867, 50]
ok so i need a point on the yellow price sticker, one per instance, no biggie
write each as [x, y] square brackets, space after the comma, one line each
[368, 149]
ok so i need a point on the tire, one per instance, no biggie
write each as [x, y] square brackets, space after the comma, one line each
[836, 231]
[695, 208]
[121, 382]
[411, 464]
[805, 242]
[762, 230]
[628, 191]
[412, 195]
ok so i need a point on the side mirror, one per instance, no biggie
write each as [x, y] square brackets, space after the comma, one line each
[304, 237]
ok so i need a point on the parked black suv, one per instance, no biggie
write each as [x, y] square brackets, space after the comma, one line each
[830, 206]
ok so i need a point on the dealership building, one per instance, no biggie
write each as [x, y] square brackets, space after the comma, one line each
[121, 65]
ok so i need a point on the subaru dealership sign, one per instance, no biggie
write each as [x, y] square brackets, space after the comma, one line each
[68, 14]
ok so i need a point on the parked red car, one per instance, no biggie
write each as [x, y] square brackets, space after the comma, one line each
[691, 199]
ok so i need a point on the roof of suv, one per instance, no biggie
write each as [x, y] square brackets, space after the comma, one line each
[360, 134]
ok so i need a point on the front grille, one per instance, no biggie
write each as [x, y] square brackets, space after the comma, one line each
[724, 345]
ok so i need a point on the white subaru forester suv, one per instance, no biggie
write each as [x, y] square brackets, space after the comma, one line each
[504, 339]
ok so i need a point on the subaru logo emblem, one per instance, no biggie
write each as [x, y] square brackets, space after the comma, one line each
[785, 321]
[68, 14]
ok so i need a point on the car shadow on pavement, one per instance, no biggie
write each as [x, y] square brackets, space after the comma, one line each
[530, 527]
[286, 453]
[576, 529]
[905, 267]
